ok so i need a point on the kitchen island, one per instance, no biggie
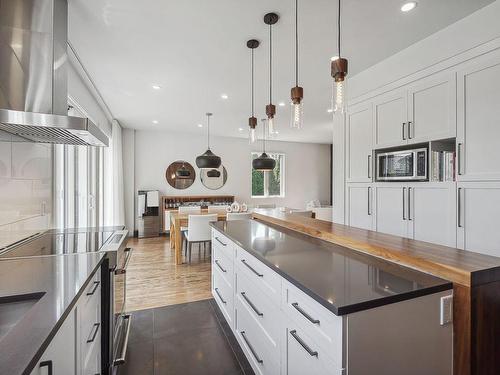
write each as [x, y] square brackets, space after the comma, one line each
[475, 277]
[301, 305]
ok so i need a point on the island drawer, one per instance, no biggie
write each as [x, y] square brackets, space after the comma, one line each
[89, 320]
[223, 295]
[261, 275]
[223, 243]
[224, 264]
[322, 325]
[92, 291]
[264, 357]
[259, 305]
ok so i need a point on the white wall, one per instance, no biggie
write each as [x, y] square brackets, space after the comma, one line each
[307, 167]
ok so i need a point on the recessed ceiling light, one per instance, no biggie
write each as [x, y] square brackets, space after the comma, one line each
[281, 104]
[333, 58]
[155, 122]
[224, 96]
[240, 129]
[329, 110]
[406, 7]
[200, 125]
[156, 87]
[276, 132]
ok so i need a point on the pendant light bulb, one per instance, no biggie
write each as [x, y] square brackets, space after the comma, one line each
[252, 136]
[270, 124]
[297, 92]
[339, 95]
[339, 74]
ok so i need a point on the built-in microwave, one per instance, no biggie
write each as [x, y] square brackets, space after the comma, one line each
[402, 165]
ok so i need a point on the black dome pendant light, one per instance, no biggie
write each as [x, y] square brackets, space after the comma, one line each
[208, 160]
[270, 19]
[264, 162]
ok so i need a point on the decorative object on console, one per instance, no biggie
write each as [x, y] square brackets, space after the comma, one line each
[270, 19]
[180, 174]
[235, 207]
[297, 92]
[339, 73]
[208, 160]
[264, 162]
[252, 121]
[213, 179]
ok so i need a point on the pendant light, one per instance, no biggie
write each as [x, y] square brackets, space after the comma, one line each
[339, 73]
[297, 92]
[183, 172]
[252, 121]
[208, 160]
[264, 162]
[270, 19]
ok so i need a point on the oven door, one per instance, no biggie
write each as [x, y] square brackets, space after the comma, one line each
[396, 166]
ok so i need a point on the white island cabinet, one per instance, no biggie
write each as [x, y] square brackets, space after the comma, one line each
[283, 330]
[75, 348]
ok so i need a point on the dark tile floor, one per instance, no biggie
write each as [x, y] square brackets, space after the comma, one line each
[191, 338]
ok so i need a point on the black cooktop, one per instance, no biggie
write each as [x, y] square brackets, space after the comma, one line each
[63, 242]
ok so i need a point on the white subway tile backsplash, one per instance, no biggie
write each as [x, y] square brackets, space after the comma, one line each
[31, 160]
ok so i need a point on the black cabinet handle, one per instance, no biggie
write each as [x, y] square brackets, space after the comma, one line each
[251, 268]
[459, 208]
[459, 158]
[311, 352]
[218, 265]
[250, 303]
[306, 315]
[369, 166]
[93, 335]
[219, 241]
[47, 364]
[96, 285]
[404, 137]
[409, 129]
[222, 299]
[409, 203]
[404, 204]
[369, 200]
[251, 347]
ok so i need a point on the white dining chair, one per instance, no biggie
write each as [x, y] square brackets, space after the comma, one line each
[189, 210]
[217, 208]
[198, 232]
[238, 216]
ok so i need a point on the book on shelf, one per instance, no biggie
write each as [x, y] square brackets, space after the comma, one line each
[443, 166]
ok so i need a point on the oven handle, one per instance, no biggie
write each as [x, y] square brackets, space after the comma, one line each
[123, 352]
[120, 271]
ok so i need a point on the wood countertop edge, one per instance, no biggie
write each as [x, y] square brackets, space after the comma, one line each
[448, 272]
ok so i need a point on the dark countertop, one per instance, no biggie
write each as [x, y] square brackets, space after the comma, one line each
[60, 280]
[343, 280]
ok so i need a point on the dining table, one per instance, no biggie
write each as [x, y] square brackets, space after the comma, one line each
[179, 220]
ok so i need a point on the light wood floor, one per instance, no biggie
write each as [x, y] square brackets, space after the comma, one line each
[154, 280]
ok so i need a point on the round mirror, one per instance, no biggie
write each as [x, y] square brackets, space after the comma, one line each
[215, 178]
[180, 174]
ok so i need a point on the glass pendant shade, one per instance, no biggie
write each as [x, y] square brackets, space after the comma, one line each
[264, 163]
[339, 96]
[208, 160]
[296, 115]
[252, 136]
[271, 128]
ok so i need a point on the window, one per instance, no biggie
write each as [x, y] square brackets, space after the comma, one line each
[272, 183]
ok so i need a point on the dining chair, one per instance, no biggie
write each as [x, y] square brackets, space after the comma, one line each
[217, 208]
[266, 206]
[198, 232]
[189, 210]
[238, 216]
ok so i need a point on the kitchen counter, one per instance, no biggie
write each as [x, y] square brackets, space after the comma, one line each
[341, 280]
[57, 282]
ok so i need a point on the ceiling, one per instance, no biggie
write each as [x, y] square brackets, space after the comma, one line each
[196, 51]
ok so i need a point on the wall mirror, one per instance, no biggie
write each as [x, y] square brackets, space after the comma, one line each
[180, 174]
[214, 179]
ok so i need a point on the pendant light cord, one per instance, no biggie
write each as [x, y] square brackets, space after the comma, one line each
[252, 84]
[208, 131]
[270, 64]
[296, 42]
[338, 30]
[264, 137]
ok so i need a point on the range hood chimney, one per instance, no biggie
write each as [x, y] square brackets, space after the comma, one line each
[33, 75]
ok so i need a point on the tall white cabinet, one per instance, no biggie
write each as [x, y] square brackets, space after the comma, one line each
[361, 206]
[360, 143]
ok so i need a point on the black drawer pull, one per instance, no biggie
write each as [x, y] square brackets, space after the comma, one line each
[47, 364]
[219, 241]
[306, 315]
[94, 334]
[250, 303]
[96, 285]
[251, 268]
[222, 299]
[303, 344]
[251, 347]
[218, 265]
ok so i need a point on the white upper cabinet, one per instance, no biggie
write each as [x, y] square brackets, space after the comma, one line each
[478, 130]
[432, 108]
[392, 209]
[360, 207]
[432, 213]
[478, 217]
[360, 143]
[390, 117]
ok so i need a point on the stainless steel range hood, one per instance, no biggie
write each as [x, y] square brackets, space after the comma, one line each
[33, 75]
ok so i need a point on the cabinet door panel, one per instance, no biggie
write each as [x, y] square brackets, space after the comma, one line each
[432, 108]
[391, 210]
[359, 143]
[432, 215]
[478, 139]
[390, 113]
[360, 206]
[479, 217]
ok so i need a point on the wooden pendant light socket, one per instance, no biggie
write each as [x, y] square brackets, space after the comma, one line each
[271, 18]
[252, 122]
[270, 110]
[297, 94]
[339, 69]
[253, 43]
